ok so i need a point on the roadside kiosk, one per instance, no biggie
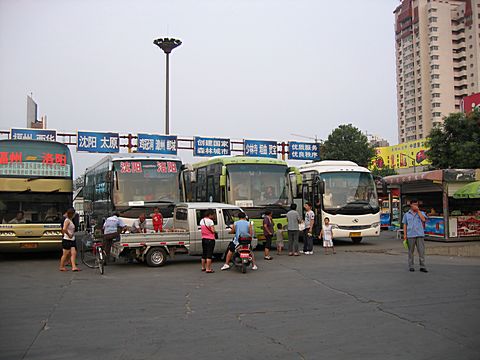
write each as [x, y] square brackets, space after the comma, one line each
[453, 213]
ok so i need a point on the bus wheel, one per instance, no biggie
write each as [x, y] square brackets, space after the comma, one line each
[156, 257]
[357, 240]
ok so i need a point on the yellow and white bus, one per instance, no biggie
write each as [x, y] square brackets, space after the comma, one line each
[35, 190]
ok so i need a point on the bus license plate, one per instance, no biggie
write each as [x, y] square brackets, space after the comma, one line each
[355, 234]
[28, 246]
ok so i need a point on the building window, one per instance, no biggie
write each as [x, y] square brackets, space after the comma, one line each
[432, 19]
[435, 105]
[436, 95]
[435, 67]
[435, 86]
[433, 48]
[435, 76]
[433, 38]
[433, 29]
[434, 57]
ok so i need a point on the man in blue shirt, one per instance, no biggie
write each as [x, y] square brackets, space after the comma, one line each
[241, 228]
[413, 231]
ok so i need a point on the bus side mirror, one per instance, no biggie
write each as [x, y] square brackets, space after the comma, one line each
[223, 177]
[108, 176]
[321, 187]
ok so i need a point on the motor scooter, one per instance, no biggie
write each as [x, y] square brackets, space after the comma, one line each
[243, 255]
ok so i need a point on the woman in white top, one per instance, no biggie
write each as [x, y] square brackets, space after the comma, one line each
[68, 243]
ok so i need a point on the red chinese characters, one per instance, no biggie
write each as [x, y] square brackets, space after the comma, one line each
[127, 167]
[12, 157]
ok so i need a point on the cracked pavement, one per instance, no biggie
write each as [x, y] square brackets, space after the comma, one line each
[353, 305]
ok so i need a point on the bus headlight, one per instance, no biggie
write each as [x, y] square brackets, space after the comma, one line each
[7, 233]
[52, 233]
[376, 224]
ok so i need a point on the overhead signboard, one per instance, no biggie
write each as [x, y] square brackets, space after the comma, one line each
[157, 144]
[211, 146]
[259, 148]
[33, 134]
[97, 142]
[303, 151]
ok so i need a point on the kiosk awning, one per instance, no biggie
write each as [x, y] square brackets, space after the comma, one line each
[434, 175]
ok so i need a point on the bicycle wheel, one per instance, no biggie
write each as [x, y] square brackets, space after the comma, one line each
[87, 252]
[100, 259]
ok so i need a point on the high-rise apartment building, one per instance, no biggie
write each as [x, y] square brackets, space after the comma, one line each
[438, 61]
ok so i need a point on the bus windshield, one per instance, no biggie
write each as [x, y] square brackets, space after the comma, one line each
[31, 207]
[258, 184]
[150, 181]
[349, 193]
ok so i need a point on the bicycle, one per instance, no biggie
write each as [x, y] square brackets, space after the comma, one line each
[92, 253]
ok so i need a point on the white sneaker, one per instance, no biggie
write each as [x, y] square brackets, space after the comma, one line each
[301, 252]
[225, 267]
[311, 252]
[254, 267]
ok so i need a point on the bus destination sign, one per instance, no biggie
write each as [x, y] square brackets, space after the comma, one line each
[44, 164]
[139, 167]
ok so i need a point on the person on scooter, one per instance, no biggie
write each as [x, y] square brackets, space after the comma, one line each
[241, 228]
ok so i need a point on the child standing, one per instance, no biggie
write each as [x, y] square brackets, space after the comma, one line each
[327, 234]
[157, 220]
[279, 234]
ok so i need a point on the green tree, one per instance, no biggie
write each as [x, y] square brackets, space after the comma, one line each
[384, 171]
[456, 144]
[346, 142]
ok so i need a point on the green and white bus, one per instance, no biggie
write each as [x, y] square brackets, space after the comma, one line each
[254, 184]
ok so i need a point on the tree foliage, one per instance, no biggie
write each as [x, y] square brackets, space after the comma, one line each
[347, 142]
[456, 144]
[384, 171]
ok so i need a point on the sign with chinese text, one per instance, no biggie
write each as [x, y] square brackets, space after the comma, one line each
[148, 168]
[97, 142]
[157, 144]
[211, 146]
[33, 134]
[34, 160]
[303, 151]
[267, 149]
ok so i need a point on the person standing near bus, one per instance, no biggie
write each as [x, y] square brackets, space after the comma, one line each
[413, 231]
[268, 233]
[157, 220]
[308, 232]
[68, 243]
[294, 219]
[207, 227]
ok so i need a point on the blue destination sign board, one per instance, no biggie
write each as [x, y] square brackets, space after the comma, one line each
[303, 151]
[267, 149]
[157, 144]
[33, 134]
[211, 146]
[97, 142]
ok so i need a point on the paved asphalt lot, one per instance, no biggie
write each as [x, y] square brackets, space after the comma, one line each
[361, 303]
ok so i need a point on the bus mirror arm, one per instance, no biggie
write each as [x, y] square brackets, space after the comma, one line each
[321, 187]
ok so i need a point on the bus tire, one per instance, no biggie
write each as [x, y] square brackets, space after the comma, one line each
[357, 240]
[156, 256]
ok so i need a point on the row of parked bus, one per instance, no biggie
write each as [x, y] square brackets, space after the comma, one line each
[36, 186]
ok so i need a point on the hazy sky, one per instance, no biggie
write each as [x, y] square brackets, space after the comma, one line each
[259, 69]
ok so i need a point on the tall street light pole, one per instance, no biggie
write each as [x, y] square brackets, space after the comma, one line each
[167, 45]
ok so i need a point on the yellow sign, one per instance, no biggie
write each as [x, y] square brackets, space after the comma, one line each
[401, 156]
